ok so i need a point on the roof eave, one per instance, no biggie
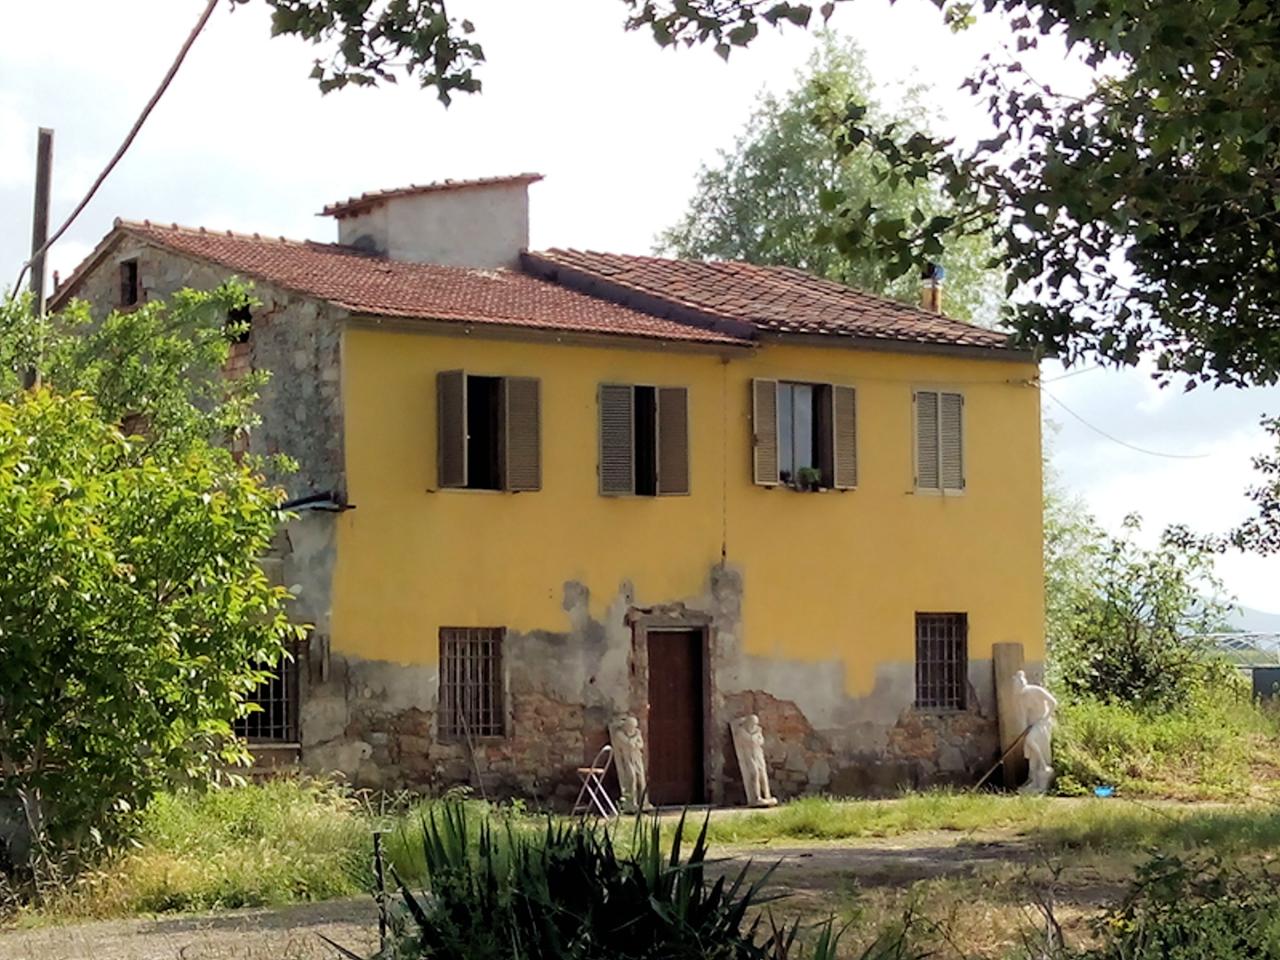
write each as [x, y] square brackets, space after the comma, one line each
[973, 351]
[499, 330]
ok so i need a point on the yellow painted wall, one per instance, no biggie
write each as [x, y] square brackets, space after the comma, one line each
[831, 575]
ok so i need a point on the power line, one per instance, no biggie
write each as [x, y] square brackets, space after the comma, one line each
[128, 140]
[1123, 443]
[1074, 373]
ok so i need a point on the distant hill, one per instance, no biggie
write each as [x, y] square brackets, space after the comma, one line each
[1249, 620]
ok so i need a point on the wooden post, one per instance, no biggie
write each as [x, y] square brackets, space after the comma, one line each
[40, 236]
[1006, 660]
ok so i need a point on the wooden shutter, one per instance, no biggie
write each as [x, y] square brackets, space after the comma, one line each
[844, 404]
[764, 430]
[617, 440]
[951, 440]
[673, 440]
[927, 439]
[522, 434]
[451, 435]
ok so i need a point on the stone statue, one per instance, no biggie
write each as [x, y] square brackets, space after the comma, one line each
[628, 758]
[1038, 705]
[748, 742]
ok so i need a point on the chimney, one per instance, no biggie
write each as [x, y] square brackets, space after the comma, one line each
[931, 287]
[461, 223]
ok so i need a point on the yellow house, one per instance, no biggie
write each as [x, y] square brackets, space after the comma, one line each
[539, 492]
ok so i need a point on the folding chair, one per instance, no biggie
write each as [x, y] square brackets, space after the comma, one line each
[593, 797]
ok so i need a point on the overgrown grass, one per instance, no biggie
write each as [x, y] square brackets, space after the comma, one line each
[1222, 746]
[261, 845]
[287, 841]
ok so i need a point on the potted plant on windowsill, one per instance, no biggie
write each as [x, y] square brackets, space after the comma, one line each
[809, 479]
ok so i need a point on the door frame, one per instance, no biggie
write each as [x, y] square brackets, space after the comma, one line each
[643, 623]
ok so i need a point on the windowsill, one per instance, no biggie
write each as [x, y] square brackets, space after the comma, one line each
[474, 490]
[939, 711]
[934, 492]
[255, 745]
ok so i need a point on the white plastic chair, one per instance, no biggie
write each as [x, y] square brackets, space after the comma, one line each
[593, 797]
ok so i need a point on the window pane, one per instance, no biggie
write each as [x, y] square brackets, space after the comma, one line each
[803, 429]
[786, 431]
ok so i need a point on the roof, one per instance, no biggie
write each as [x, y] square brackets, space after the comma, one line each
[771, 300]
[367, 201]
[376, 286]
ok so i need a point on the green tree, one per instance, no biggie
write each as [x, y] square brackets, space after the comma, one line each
[1128, 622]
[134, 617]
[767, 200]
[1073, 541]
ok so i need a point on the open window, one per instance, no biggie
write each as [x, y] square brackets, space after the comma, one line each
[489, 432]
[805, 435]
[644, 440]
[130, 290]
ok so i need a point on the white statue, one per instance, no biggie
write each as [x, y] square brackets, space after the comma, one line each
[1038, 705]
[628, 755]
[748, 741]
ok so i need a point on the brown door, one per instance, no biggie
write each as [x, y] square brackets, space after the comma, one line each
[675, 745]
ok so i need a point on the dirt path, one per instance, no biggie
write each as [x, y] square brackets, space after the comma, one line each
[815, 876]
[290, 933]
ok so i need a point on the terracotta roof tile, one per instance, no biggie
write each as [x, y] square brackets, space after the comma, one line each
[376, 286]
[769, 299]
[366, 201]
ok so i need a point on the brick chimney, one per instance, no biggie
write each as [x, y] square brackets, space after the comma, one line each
[931, 287]
[462, 223]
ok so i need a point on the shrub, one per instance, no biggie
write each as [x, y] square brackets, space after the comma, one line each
[1195, 909]
[1127, 629]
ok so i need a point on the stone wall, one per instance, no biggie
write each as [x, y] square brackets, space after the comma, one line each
[299, 341]
[375, 721]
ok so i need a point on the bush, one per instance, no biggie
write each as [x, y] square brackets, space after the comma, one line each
[1127, 625]
[1193, 909]
[570, 893]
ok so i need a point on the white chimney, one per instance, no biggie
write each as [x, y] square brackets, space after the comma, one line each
[461, 223]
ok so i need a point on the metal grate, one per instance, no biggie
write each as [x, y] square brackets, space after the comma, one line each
[276, 720]
[471, 688]
[942, 660]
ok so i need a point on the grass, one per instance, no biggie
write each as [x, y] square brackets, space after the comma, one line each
[1222, 746]
[261, 845]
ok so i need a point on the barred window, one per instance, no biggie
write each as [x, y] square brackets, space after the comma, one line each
[276, 719]
[942, 660]
[471, 687]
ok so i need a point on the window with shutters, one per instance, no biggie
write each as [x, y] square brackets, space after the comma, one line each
[472, 701]
[489, 432]
[939, 416]
[942, 660]
[644, 440]
[805, 435]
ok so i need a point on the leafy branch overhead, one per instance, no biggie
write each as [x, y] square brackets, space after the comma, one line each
[374, 44]
[1140, 218]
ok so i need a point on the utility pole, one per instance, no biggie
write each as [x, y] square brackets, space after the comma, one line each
[39, 237]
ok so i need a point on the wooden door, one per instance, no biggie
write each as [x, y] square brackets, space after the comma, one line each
[675, 746]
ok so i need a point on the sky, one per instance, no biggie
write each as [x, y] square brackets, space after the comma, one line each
[244, 141]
